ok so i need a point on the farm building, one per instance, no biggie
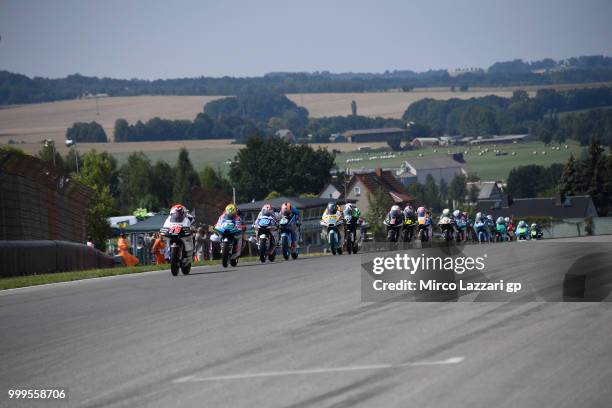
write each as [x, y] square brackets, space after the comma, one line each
[425, 141]
[440, 168]
[372, 135]
[487, 190]
[501, 139]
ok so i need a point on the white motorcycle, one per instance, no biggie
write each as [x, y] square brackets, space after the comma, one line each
[179, 239]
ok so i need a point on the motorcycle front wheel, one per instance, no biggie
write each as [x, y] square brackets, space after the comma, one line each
[175, 262]
[225, 250]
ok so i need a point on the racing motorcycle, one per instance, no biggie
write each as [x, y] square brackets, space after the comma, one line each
[394, 225]
[522, 233]
[446, 226]
[423, 228]
[227, 232]
[332, 223]
[408, 231]
[350, 234]
[265, 227]
[287, 226]
[179, 239]
[461, 230]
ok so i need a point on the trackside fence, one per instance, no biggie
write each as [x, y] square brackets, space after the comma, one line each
[21, 258]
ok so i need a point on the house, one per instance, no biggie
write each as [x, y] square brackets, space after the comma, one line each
[373, 135]
[363, 184]
[571, 209]
[420, 142]
[487, 190]
[285, 134]
[311, 210]
[440, 168]
[505, 139]
[333, 190]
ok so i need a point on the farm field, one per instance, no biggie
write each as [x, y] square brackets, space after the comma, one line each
[31, 124]
[487, 167]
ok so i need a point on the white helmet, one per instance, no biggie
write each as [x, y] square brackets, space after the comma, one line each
[395, 208]
[490, 217]
[507, 219]
[478, 215]
[521, 223]
[348, 207]
[534, 225]
[456, 213]
[445, 212]
[500, 220]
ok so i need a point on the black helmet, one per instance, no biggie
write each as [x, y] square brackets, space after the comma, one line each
[332, 207]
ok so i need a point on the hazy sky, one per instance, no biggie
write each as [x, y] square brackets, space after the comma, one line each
[177, 38]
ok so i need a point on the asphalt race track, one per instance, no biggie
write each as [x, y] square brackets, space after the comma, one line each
[296, 334]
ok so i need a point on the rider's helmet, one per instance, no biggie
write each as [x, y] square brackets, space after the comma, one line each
[522, 223]
[445, 212]
[421, 211]
[534, 226]
[507, 220]
[177, 213]
[395, 211]
[408, 210]
[464, 215]
[286, 208]
[490, 217]
[456, 213]
[500, 220]
[478, 215]
[348, 208]
[230, 209]
[332, 208]
[267, 210]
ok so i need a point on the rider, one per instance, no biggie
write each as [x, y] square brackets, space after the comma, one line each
[480, 225]
[509, 228]
[409, 213]
[394, 213]
[332, 209]
[536, 231]
[231, 214]
[424, 218]
[352, 213]
[500, 227]
[267, 212]
[293, 215]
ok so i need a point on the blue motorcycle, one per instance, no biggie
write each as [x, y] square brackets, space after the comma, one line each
[265, 228]
[481, 231]
[228, 233]
[287, 228]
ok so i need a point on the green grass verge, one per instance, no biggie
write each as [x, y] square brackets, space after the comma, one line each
[46, 278]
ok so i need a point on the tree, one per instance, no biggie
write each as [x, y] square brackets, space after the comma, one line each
[97, 173]
[272, 195]
[50, 155]
[567, 184]
[473, 193]
[354, 108]
[432, 194]
[458, 190]
[273, 164]
[379, 203]
[185, 177]
[395, 143]
[214, 180]
[86, 133]
[135, 183]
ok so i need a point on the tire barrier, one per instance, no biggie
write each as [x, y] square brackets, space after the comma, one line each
[21, 258]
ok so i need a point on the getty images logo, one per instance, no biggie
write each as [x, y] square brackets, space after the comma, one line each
[411, 264]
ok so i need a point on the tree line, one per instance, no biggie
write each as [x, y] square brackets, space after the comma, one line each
[256, 112]
[18, 89]
[490, 115]
[82, 132]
